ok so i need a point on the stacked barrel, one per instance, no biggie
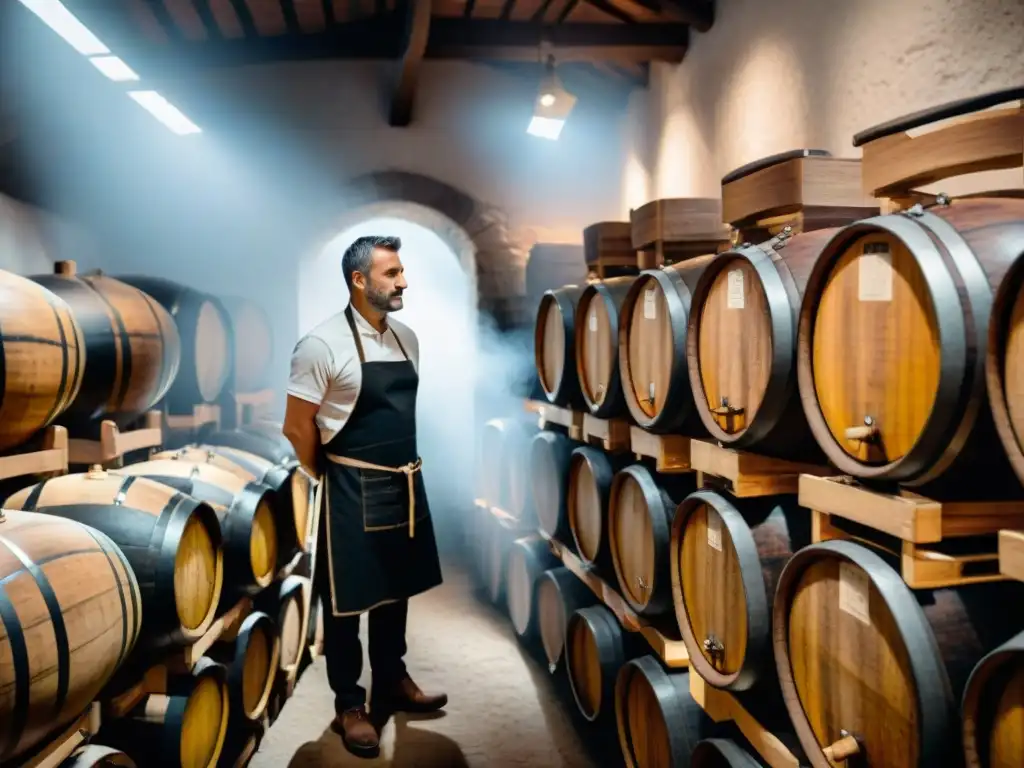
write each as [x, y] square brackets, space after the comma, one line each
[835, 340]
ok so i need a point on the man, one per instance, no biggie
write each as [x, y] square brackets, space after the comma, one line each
[351, 416]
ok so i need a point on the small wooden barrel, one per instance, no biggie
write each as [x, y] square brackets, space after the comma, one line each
[172, 543]
[207, 341]
[503, 461]
[42, 355]
[559, 594]
[254, 343]
[528, 558]
[640, 512]
[893, 337]
[554, 344]
[132, 348]
[597, 346]
[596, 647]
[272, 431]
[70, 613]
[659, 723]
[549, 468]
[858, 652]
[252, 662]
[96, 756]
[741, 345]
[285, 603]
[591, 472]
[653, 323]
[721, 753]
[1004, 365]
[726, 559]
[497, 543]
[245, 512]
[993, 708]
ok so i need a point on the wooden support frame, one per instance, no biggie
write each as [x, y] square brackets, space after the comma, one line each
[746, 474]
[51, 458]
[202, 414]
[671, 453]
[114, 444]
[408, 76]
[54, 753]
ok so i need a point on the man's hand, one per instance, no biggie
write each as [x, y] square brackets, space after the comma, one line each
[302, 432]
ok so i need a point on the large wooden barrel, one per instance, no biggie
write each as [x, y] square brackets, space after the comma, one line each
[254, 343]
[597, 346]
[207, 341]
[641, 506]
[596, 647]
[132, 348]
[721, 753]
[42, 356]
[245, 511]
[993, 708]
[528, 558]
[591, 472]
[559, 594]
[858, 652]
[893, 337]
[285, 604]
[504, 462]
[96, 756]
[497, 538]
[741, 345]
[653, 324]
[69, 615]
[726, 558]
[549, 471]
[171, 541]
[251, 659]
[659, 723]
[554, 342]
[1004, 364]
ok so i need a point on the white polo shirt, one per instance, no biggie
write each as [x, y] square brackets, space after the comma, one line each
[326, 367]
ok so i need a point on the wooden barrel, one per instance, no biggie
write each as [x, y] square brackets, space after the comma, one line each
[659, 723]
[721, 753]
[554, 338]
[726, 558]
[591, 472]
[251, 659]
[42, 354]
[497, 543]
[528, 558]
[1004, 365]
[549, 469]
[597, 346]
[741, 345]
[96, 756]
[653, 323]
[641, 506]
[207, 341]
[559, 594]
[69, 612]
[893, 336]
[503, 465]
[858, 652]
[172, 543]
[254, 343]
[132, 348]
[244, 509]
[993, 707]
[285, 603]
[596, 647]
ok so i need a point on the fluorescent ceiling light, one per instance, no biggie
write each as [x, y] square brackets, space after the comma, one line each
[165, 112]
[64, 23]
[545, 127]
[114, 68]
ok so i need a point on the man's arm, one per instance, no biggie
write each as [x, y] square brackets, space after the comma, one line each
[310, 379]
[302, 431]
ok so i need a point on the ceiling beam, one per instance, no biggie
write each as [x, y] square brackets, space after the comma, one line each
[418, 30]
[699, 14]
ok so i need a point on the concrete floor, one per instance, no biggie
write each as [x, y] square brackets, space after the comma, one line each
[505, 708]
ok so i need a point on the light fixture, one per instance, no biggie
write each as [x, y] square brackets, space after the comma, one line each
[165, 112]
[66, 24]
[553, 105]
[114, 68]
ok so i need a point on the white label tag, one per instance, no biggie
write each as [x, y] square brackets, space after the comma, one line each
[734, 298]
[854, 588]
[650, 391]
[714, 531]
[592, 322]
[650, 305]
[874, 273]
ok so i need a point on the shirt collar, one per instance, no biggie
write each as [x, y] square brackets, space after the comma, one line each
[364, 325]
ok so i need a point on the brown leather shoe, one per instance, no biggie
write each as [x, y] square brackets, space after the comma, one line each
[407, 697]
[357, 732]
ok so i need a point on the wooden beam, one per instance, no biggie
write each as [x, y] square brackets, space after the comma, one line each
[699, 14]
[291, 17]
[241, 9]
[418, 19]
[209, 20]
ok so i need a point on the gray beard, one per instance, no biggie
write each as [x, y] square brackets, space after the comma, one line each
[378, 299]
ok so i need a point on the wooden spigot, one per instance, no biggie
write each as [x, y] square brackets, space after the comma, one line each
[866, 433]
[67, 268]
[96, 472]
[841, 750]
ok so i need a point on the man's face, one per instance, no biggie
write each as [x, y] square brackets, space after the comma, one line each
[386, 281]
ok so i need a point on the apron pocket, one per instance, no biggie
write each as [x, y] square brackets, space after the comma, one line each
[385, 499]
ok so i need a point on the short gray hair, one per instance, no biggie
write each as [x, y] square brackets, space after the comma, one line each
[358, 257]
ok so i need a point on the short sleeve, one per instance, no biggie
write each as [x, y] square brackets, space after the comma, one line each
[312, 370]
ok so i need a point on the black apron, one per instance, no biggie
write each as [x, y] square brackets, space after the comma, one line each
[377, 532]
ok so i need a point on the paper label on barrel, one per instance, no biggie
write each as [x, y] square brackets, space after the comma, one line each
[734, 296]
[874, 273]
[714, 531]
[650, 305]
[853, 592]
[592, 322]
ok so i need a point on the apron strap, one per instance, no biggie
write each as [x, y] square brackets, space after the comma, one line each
[359, 343]
[409, 470]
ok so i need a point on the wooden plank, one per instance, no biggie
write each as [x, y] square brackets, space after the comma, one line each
[412, 60]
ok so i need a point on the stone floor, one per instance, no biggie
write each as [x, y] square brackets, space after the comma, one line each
[505, 709]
